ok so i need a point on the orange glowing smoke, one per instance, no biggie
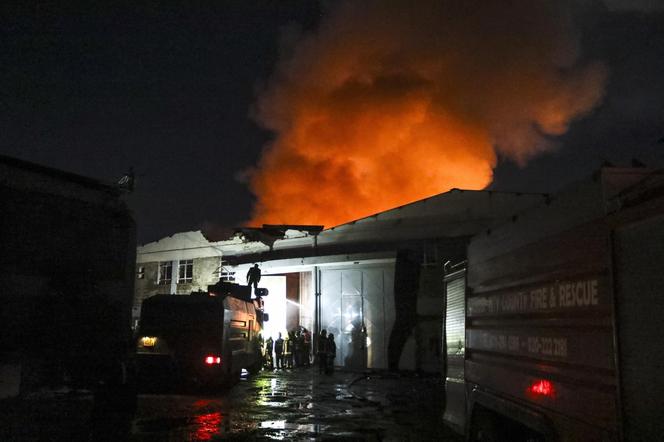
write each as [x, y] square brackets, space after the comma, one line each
[390, 102]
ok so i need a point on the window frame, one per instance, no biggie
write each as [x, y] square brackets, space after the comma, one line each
[188, 266]
[161, 279]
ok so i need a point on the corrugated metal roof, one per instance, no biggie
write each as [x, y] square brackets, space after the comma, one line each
[454, 214]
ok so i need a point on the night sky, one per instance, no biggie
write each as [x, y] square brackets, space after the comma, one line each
[171, 92]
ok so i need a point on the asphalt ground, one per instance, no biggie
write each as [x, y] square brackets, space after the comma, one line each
[293, 405]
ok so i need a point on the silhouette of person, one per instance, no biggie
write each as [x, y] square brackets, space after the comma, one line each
[298, 348]
[307, 347]
[331, 353]
[278, 351]
[269, 346]
[322, 351]
[254, 277]
[288, 350]
[357, 348]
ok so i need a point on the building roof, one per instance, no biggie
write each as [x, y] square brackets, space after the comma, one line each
[23, 176]
[454, 214]
[16, 163]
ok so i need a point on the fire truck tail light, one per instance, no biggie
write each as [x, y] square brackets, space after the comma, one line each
[211, 360]
[542, 387]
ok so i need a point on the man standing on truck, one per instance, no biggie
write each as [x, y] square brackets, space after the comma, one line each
[254, 277]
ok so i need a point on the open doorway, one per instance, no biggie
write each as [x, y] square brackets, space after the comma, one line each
[290, 302]
[275, 305]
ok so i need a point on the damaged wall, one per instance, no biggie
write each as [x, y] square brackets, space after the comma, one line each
[205, 272]
[206, 262]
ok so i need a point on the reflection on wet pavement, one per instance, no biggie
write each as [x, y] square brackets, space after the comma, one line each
[300, 405]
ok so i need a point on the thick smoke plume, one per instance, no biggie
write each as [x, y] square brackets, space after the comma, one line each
[390, 102]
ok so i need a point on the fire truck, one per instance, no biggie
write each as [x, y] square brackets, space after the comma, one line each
[553, 322]
[69, 252]
[201, 339]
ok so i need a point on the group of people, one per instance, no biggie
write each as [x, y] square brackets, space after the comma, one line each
[293, 351]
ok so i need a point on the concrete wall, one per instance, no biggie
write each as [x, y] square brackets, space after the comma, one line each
[204, 274]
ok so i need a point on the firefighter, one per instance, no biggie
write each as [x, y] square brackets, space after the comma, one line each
[298, 348]
[288, 350]
[322, 351]
[269, 347]
[307, 347]
[331, 354]
[278, 351]
[254, 277]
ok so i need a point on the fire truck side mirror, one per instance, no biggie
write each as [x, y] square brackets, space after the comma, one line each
[262, 291]
[266, 317]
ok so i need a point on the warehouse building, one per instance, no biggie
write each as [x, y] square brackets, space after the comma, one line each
[377, 283]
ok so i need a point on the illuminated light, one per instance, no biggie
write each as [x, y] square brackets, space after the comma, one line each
[276, 304]
[210, 360]
[148, 341]
[542, 387]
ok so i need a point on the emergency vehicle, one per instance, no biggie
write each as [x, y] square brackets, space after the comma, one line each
[202, 339]
[553, 325]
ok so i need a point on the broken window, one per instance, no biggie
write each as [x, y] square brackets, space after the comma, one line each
[186, 271]
[165, 275]
[223, 273]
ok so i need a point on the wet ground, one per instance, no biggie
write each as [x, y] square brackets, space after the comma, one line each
[286, 405]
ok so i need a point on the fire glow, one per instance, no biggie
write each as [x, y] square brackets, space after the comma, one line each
[390, 103]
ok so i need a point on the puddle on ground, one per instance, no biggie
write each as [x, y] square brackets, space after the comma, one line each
[283, 429]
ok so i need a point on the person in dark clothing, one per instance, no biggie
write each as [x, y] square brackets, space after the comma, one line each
[254, 277]
[278, 351]
[269, 347]
[331, 354]
[307, 347]
[288, 350]
[322, 351]
[298, 347]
